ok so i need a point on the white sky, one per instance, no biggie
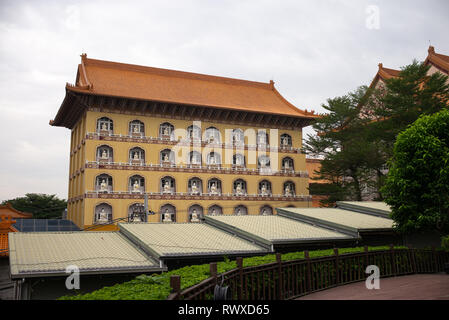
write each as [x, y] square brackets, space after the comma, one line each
[313, 50]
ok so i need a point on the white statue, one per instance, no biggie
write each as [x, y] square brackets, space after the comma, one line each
[264, 190]
[213, 188]
[194, 216]
[194, 188]
[136, 186]
[167, 216]
[103, 127]
[285, 141]
[136, 217]
[194, 159]
[212, 159]
[287, 190]
[167, 188]
[104, 154]
[103, 215]
[214, 213]
[262, 138]
[264, 212]
[136, 128]
[238, 189]
[166, 133]
[103, 185]
[136, 156]
[239, 212]
[287, 164]
[263, 162]
[238, 161]
[166, 159]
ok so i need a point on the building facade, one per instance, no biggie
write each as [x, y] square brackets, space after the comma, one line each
[192, 144]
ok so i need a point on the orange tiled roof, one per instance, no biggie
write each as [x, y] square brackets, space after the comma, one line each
[8, 210]
[107, 78]
[441, 61]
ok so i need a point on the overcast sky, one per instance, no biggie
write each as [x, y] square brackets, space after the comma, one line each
[313, 50]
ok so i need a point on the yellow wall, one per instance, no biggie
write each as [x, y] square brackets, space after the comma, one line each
[81, 211]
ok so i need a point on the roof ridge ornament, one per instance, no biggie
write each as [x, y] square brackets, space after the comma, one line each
[380, 65]
[431, 49]
[271, 84]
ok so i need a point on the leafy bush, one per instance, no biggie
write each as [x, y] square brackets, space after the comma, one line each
[157, 286]
[445, 242]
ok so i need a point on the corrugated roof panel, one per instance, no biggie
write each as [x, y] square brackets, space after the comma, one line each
[341, 217]
[370, 207]
[182, 239]
[52, 252]
[275, 228]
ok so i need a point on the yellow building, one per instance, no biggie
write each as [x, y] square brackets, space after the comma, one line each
[192, 144]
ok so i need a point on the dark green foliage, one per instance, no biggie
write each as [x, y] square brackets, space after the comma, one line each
[445, 242]
[42, 206]
[417, 186]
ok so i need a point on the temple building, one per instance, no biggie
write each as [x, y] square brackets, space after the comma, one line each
[192, 144]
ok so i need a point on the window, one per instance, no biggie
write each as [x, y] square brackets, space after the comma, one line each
[212, 135]
[168, 213]
[136, 213]
[103, 213]
[240, 210]
[136, 184]
[287, 164]
[289, 189]
[103, 183]
[262, 137]
[166, 130]
[195, 186]
[239, 187]
[167, 185]
[266, 211]
[194, 133]
[137, 155]
[194, 158]
[286, 141]
[263, 162]
[105, 153]
[238, 136]
[238, 160]
[104, 125]
[167, 157]
[136, 128]
[195, 213]
[214, 186]
[213, 158]
[265, 188]
[214, 210]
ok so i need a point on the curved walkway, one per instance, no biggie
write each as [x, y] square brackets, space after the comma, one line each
[412, 287]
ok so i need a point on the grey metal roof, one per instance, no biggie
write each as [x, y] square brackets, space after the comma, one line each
[50, 253]
[165, 240]
[274, 229]
[343, 220]
[376, 208]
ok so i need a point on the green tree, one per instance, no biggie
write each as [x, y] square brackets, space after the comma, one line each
[417, 184]
[42, 206]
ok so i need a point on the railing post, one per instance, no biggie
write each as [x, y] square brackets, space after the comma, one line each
[308, 272]
[412, 258]
[280, 278]
[213, 271]
[365, 250]
[393, 259]
[175, 284]
[435, 259]
[337, 266]
[239, 262]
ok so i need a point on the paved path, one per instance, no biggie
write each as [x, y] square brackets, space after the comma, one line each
[413, 287]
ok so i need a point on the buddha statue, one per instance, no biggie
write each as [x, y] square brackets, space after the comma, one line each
[166, 159]
[288, 190]
[136, 129]
[239, 212]
[103, 216]
[287, 165]
[136, 156]
[104, 127]
[285, 142]
[263, 163]
[264, 212]
[214, 212]
[167, 216]
[213, 188]
[166, 132]
[194, 216]
[167, 188]
[103, 185]
[194, 188]
[238, 161]
[262, 138]
[238, 189]
[212, 159]
[136, 217]
[136, 186]
[263, 190]
[104, 154]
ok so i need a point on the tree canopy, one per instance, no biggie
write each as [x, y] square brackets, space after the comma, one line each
[417, 184]
[42, 206]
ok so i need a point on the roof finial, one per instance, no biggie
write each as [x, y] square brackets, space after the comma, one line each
[431, 49]
[380, 65]
[271, 84]
[83, 56]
